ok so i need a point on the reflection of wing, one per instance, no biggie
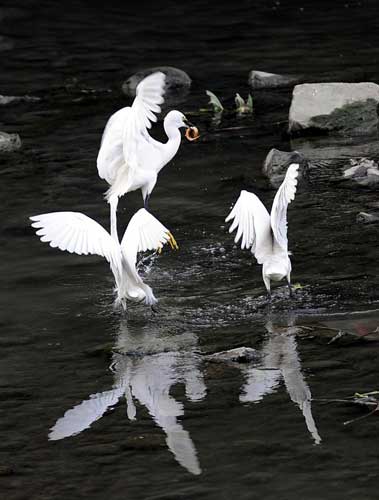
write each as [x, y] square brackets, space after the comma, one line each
[82, 416]
[181, 445]
[253, 223]
[259, 383]
[284, 196]
[77, 233]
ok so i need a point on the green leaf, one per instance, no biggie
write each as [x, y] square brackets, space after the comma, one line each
[214, 101]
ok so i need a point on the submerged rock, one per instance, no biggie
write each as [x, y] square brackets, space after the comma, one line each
[277, 162]
[364, 171]
[263, 80]
[178, 82]
[345, 108]
[9, 142]
[367, 218]
[11, 99]
[237, 355]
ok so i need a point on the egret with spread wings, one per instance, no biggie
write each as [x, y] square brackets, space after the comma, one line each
[77, 233]
[129, 158]
[265, 234]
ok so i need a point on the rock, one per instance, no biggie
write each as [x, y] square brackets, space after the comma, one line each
[9, 142]
[367, 218]
[6, 470]
[7, 99]
[364, 171]
[343, 108]
[276, 164]
[237, 355]
[263, 80]
[178, 82]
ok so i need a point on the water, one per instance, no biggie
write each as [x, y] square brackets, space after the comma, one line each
[97, 404]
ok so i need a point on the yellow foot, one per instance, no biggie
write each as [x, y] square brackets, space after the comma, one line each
[172, 241]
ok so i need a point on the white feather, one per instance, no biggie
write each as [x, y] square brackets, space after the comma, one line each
[252, 222]
[284, 196]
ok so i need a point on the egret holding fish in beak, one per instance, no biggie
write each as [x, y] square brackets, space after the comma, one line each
[129, 158]
[77, 233]
[265, 234]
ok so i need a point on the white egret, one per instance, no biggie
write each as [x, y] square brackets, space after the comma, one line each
[266, 234]
[129, 158]
[77, 233]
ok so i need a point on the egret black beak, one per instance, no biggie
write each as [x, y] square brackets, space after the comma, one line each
[187, 123]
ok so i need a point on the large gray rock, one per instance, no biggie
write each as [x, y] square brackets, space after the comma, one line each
[344, 108]
[263, 80]
[277, 162]
[178, 82]
[9, 142]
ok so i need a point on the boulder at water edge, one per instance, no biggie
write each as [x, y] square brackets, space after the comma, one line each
[342, 108]
[277, 162]
[9, 142]
[263, 80]
[177, 81]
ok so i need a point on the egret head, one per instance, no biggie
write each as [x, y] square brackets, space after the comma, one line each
[177, 119]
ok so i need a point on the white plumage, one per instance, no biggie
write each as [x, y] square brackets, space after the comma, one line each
[265, 234]
[129, 158]
[77, 233]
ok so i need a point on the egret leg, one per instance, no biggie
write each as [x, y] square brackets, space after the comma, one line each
[154, 309]
[113, 202]
[266, 281]
[290, 287]
[146, 202]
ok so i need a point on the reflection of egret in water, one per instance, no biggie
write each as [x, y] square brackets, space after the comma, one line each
[145, 374]
[280, 360]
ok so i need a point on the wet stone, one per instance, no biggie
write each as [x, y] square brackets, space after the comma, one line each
[277, 162]
[342, 108]
[263, 80]
[8, 99]
[145, 442]
[237, 355]
[6, 470]
[367, 218]
[9, 142]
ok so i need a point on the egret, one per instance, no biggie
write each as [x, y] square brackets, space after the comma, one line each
[264, 234]
[129, 158]
[77, 233]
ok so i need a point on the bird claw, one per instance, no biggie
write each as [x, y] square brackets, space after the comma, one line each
[154, 309]
[172, 242]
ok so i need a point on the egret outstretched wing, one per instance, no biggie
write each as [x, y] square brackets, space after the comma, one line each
[111, 154]
[149, 95]
[77, 233]
[252, 222]
[144, 232]
[127, 128]
[284, 196]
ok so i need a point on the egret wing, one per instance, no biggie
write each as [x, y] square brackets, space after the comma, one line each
[149, 96]
[77, 233]
[284, 196]
[111, 154]
[144, 232]
[125, 134]
[252, 222]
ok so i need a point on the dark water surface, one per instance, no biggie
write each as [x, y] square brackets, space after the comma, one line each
[98, 404]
